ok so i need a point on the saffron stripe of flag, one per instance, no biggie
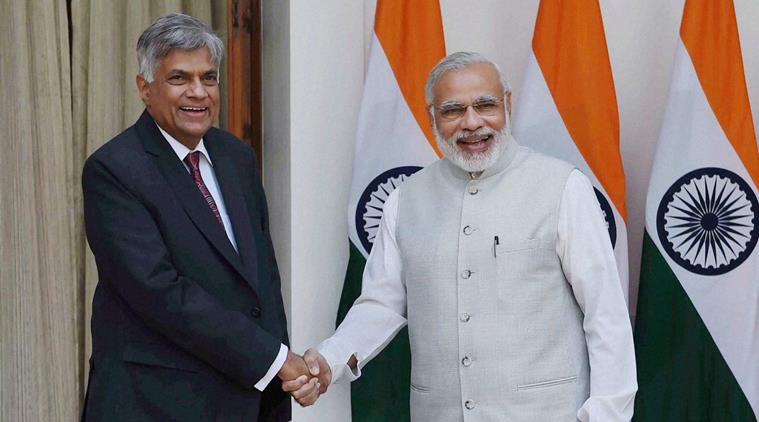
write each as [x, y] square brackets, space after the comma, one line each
[568, 107]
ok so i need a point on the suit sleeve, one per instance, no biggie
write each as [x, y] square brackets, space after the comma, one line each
[275, 402]
[272, 260]
[133, 259]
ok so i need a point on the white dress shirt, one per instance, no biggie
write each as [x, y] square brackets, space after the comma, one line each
[589, 268]
[209, 178]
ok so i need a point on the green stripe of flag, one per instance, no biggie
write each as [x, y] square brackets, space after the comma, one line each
[382, 392]
[682, 375]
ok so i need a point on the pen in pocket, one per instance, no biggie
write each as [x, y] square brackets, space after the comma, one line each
[496, 242]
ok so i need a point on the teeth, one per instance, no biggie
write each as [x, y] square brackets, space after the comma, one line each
[193, 108]
[475, 140]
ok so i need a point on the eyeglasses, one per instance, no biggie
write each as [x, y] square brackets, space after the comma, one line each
[484, 106]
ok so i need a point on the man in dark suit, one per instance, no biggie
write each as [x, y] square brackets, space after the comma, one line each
[188, 322]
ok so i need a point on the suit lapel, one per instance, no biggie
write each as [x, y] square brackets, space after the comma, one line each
[187, 192]
[228, 177]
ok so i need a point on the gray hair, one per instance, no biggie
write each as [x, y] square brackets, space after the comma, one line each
[456, 61]
[171, 31]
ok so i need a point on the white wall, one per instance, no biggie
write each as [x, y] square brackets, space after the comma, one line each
[314, 63]
[313, 76]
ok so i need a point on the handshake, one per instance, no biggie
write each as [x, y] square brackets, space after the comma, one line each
[305, 377]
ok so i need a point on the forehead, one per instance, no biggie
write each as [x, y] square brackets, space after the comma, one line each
[198, 60]
[468, 83]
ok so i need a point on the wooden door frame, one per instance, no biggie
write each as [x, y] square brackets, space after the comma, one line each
[244, 73]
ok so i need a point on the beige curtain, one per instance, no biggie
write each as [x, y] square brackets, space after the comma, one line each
[38, 293]
[60, 102]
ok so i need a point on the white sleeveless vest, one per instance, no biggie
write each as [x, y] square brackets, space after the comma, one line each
[495, 331]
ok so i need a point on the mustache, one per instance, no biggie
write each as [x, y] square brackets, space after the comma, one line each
[483, 131]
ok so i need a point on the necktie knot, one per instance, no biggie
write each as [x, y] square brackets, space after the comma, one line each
[193, 160]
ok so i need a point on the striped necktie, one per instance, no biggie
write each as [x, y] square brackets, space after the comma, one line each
[193, 160]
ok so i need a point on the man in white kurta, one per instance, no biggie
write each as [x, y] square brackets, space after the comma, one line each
[498, 260]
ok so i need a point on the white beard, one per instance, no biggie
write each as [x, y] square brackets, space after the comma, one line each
[473, 161]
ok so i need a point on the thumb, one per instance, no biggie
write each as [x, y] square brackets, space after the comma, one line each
[313, 365]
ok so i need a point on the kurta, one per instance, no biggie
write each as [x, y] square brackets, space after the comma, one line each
[502, 307]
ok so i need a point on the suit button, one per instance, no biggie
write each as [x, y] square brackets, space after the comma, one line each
[255, 312]
[467, 361]
[469, 404]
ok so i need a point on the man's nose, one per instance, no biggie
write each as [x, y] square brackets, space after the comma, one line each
[197, 89]
[471, 119]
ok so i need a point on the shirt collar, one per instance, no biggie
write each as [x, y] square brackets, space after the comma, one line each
[182, 150]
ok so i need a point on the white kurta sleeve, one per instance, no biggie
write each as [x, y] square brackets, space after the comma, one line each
[380, 312]
[587, 260]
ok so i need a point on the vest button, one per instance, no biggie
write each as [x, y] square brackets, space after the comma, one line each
[466, 274]
[255, 312]
[473, 190]
[468, 230]
[469, 404]
[467, 361]
[465, 317]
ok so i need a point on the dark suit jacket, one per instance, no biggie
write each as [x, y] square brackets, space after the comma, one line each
[182, 325]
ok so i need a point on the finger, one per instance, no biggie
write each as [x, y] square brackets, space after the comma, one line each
[305, 390]
[295, 384]
[310, 398]
[323, 387]
[326, 377]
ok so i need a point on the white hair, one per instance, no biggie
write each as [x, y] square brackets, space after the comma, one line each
[456, 61]
[171, 31]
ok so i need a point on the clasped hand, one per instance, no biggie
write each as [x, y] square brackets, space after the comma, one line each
[306, 377]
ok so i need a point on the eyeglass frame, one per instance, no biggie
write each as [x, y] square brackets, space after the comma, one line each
[465, 107]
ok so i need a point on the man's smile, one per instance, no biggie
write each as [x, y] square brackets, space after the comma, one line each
[194, 111]
[474, 143]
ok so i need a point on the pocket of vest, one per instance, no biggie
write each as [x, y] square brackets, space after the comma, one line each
[522, 259]
[420, 388]
[547, 383]
[506, 246]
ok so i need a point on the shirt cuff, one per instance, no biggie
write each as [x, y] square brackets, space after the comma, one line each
[273, 369]
[337, 355]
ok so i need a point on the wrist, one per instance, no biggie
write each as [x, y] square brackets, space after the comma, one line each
[293, 367]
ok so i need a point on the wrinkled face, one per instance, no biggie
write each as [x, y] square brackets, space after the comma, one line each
[470, 116]
[183, 98]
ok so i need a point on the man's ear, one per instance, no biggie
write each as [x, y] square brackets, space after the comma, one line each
[144, 87]
[507, 102]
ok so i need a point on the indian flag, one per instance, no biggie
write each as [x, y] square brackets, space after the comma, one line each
[568, 107]
[393, 140]
[697, 329]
